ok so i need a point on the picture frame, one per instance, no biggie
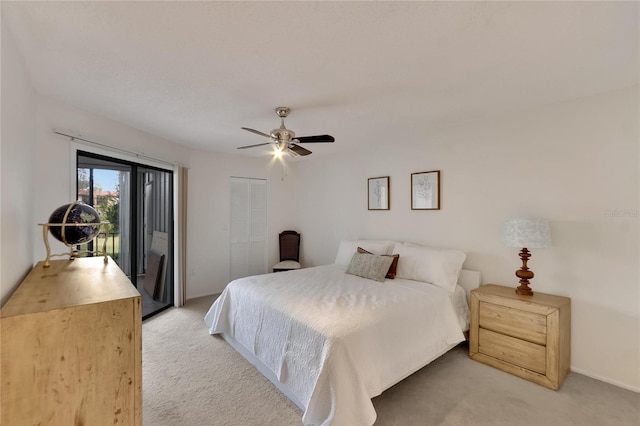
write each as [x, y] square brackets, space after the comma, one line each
[378, 194]
[425, 190]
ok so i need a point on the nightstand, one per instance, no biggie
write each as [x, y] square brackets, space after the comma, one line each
[528, 336]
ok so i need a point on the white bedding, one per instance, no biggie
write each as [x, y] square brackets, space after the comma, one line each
[461, 305]
[336, 340]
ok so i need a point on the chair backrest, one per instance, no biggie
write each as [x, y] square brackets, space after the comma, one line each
[289, 246]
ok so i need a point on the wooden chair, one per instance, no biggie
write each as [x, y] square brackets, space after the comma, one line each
[289, 252]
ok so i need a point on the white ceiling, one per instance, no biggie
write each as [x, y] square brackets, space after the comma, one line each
[365, 72]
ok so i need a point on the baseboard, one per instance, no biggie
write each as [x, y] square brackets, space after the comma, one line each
[606, 380]
[197, 296]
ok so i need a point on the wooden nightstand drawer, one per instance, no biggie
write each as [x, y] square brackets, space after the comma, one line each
[515, 351]
[528, 336]
[524, 325]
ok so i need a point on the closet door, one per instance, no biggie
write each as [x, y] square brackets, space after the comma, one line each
[248, 227]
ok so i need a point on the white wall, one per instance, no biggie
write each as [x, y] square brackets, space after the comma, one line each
[17, 151]
[573, 163]
[208, 225]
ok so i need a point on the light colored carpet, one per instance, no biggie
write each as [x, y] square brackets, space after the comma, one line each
[191, 378]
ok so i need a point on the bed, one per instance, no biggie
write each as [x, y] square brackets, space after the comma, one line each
[331, 339]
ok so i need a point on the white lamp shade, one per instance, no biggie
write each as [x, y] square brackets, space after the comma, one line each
[529, 233]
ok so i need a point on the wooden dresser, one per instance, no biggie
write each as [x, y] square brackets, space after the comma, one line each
[71, 347]
[528, 336]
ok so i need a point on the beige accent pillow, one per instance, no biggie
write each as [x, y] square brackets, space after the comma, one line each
[391, 273]
[371, 266]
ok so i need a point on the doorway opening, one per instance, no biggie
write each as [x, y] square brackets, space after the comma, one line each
[137, 201]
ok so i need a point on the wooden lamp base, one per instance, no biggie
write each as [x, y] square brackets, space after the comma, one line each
[524, 274]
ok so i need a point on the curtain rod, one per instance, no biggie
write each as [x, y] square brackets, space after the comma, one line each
[124, 151]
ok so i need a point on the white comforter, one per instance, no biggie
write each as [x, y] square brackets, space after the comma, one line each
[336, 340]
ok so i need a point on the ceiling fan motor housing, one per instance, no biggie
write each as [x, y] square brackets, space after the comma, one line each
[282, 135]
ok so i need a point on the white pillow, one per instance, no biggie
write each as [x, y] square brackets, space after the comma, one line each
[377, 246]
[348, 248]
[432, 265]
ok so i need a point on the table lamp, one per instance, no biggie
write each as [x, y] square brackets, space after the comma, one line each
[526, 234]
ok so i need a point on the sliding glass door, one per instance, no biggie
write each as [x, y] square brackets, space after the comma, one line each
[136, 200]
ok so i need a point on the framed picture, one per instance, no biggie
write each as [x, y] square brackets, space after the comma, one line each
[425, 190]
[378, 193]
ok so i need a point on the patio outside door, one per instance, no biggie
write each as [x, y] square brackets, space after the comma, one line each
[137, 201]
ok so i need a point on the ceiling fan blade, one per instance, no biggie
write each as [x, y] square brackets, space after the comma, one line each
[298, 149]
[251, 146]
[257, 132]
[315, 139]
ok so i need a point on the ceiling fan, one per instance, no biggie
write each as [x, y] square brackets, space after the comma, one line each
[285, 140]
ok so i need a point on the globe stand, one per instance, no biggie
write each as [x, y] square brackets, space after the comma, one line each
[72, 252]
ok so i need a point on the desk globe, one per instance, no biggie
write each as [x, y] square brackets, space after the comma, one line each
[72, 224]
[74, 213]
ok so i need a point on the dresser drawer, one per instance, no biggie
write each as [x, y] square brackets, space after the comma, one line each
[528, 326]
[527, 336]
[514, 351]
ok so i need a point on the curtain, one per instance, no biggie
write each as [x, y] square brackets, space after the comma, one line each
[183, 180]
[124, 220]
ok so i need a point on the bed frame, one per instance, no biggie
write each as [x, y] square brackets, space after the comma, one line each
[468, 280]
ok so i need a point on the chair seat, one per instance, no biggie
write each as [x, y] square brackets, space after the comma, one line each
[286, 265]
